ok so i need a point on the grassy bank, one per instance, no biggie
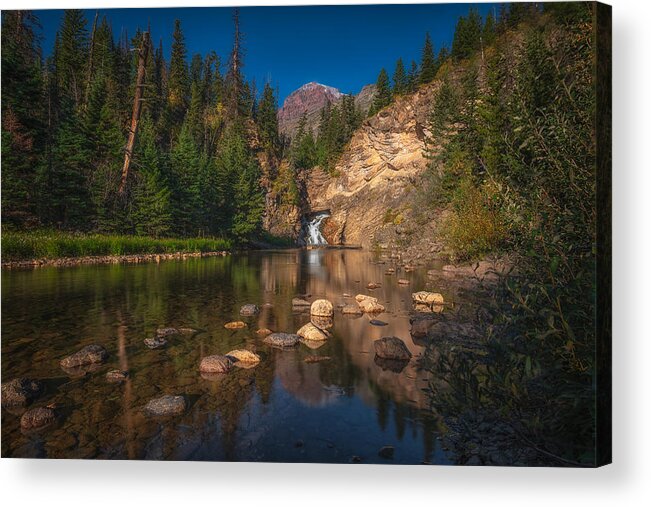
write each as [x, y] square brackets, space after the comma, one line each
[51, 245]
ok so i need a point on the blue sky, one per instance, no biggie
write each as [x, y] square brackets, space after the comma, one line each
[340, 46]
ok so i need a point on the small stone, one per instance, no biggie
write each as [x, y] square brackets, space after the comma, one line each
[282, 340]
[243, 355]
[37, 418]
[311, 332]
[117, 376]
[322, 308]
[386, 452]
[157, 342]
[316, 359]
[369, 304]
[373, 285]
[20, 391]
[355, 459]
[166, 405]
[376, 322]
[238, 324]
[263, 332]
[167, 331]
[249, 310]
[391, 347]
[403, 281]
[215, 364]
[90, 354]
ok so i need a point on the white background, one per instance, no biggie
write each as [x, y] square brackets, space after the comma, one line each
[625, 483]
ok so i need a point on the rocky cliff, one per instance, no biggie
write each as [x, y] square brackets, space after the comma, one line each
[373, 195]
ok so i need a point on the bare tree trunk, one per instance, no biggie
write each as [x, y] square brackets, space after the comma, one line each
[89, 74]
[137, 106]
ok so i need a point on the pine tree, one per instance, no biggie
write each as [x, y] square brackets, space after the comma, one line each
[400, 80]
[72, 55]
[178, 91]
[151, 213]
[267, 119]
[235, 100]
[185, 165]
[428, 61]
[489, 30]
[382, 93]
[303, 154]
[412, 77]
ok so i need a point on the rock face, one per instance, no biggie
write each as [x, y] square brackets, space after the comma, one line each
[90, 354]
[376, 172]
[322, 308]
[309, 99]
[310, 332]
[215, 364]
[37, 418]
[20, 391]
[166, 405]
[282, 340]
[391, 347]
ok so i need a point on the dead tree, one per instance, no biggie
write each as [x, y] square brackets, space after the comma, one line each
[143, 53]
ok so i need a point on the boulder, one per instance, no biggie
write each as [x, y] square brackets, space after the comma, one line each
[157, 342]
[391, 347]
[427, 298]
[249, 310]
[238, 324]
[282, 340]
[37, 418]
[351, 310]
[311, 332]
[90, 354]
[243, 355]
[166, 405]
[20, 391]
[322, 323]
[215, 364]
[322, 308]
[116, 376]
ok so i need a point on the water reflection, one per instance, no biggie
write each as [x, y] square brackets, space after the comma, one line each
[284, 409]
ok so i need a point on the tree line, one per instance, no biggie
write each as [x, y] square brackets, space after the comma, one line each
[66, 120]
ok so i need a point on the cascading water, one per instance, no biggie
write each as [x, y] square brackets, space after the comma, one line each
[314, 236]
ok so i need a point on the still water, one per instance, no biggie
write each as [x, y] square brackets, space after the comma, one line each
[341, 410]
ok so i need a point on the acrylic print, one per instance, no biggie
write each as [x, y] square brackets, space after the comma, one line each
[336, 234]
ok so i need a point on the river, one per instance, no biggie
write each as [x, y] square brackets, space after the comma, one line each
[341, 410]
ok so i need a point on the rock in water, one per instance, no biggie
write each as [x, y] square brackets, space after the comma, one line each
[162, 332]
[373, 285]
[311, 332]
[215, 364]
[386, 452]
[158, 342]
[243, 355]
[322, 308]
[316, 359]
[376, 322]
[90, 354]
[37, 418]
[420, 327]
[249, 310]
[166, 405]
[282, 340]
[369, 304]
[403, 281]
[427, 298]
[391, 347]
[351, 310]
[299, 303]
[238, 324]
[116, 376]
[20, 391]
[263, 332]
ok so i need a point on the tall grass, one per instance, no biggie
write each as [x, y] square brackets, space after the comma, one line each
[52, 244]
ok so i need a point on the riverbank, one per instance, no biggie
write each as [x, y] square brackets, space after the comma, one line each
[47, 248]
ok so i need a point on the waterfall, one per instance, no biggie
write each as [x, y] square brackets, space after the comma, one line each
[314, 236]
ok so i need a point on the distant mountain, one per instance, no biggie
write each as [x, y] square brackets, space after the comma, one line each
[310, 99]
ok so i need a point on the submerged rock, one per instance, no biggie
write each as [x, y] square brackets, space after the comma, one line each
[90, 354]
[166, 405]
[117, 376]
[351, 310]
[37, 418]
[244, 356]
[316, 359]
[391, 347]
[311, 332]
[322, 308]
[20, 391]
[282, 340]
[215, 364]
[249, 310]
[158, 342]
[300, 303]
[238, 324]
[176, 331]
